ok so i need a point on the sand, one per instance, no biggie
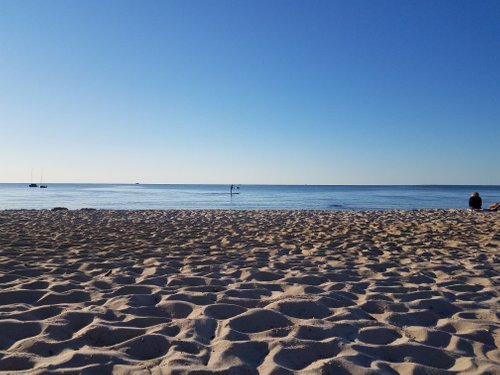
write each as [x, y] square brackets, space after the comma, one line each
[243, 292]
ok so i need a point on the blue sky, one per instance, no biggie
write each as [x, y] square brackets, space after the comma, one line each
[293, 92]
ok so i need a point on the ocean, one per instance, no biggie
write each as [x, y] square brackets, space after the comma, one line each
[301, 197]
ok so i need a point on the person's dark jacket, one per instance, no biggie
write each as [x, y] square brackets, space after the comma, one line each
[475, 202]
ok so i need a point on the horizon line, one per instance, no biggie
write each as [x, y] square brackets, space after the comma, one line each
[251, 184]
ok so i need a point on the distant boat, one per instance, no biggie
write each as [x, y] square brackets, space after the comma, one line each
[32, 184]
[41, 178]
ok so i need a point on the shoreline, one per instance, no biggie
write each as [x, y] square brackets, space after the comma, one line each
[255, 291]
[62, 208]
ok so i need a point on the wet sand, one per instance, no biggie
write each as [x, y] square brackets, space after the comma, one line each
[235, 292]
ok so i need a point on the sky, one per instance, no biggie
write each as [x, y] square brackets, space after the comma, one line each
[250, 92]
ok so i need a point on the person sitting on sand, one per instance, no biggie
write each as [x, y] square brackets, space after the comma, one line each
[475, 201]
[494, 207]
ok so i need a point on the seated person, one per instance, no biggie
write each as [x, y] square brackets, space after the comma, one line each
[494, 207]
[475, 201]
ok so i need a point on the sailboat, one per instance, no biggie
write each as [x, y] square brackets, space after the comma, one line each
[32, 184]
[41, 178]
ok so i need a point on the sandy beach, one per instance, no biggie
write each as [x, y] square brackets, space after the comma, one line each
[243, 292]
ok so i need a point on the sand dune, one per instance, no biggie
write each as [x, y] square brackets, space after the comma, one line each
[243, 292]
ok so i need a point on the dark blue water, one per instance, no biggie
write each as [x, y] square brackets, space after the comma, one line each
[343, 197]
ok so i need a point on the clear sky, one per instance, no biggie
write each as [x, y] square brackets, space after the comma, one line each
[236, 91]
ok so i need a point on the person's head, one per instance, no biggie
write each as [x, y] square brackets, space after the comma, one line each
[475, 194]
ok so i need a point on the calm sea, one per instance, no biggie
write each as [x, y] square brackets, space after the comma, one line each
[336, 197]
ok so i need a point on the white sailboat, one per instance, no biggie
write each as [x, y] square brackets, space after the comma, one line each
[41, 179]
[31, 181]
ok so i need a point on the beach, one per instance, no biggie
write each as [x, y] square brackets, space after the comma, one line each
[244, 292]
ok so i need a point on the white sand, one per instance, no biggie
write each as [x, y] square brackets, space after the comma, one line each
[235, 292]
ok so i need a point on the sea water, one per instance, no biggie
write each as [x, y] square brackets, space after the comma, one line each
[310, 197]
